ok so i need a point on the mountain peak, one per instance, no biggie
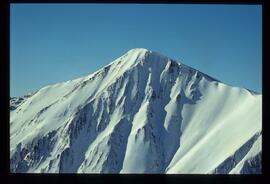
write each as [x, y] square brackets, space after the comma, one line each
[145, 55]
[141, 108]
[138, 50]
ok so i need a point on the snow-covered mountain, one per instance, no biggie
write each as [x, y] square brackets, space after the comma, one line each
[143, 113]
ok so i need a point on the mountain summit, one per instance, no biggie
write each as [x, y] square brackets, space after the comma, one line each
[142, 113]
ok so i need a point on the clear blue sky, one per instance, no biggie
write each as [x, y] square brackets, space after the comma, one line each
[54, 43]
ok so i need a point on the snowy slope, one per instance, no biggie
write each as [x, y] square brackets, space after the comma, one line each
[143, 113]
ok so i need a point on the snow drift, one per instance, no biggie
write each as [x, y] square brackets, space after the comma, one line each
[143, 113]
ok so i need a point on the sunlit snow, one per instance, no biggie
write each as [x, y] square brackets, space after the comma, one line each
[143, 113]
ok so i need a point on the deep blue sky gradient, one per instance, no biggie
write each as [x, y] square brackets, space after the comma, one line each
[54, 43]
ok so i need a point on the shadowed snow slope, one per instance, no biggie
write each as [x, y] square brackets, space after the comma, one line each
[143, 113]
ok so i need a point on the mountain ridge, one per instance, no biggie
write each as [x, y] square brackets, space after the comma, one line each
[139, 52]
[142, 103]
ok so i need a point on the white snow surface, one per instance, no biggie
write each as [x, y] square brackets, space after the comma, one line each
[143, 113]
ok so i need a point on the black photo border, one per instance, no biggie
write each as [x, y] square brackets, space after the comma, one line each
[7, 177]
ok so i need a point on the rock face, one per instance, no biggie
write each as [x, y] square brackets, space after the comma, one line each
[143, 113]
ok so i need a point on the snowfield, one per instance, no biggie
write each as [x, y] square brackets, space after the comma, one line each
[143, 113]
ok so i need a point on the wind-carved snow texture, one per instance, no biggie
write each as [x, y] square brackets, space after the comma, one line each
[226, 166]
[143, 113]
